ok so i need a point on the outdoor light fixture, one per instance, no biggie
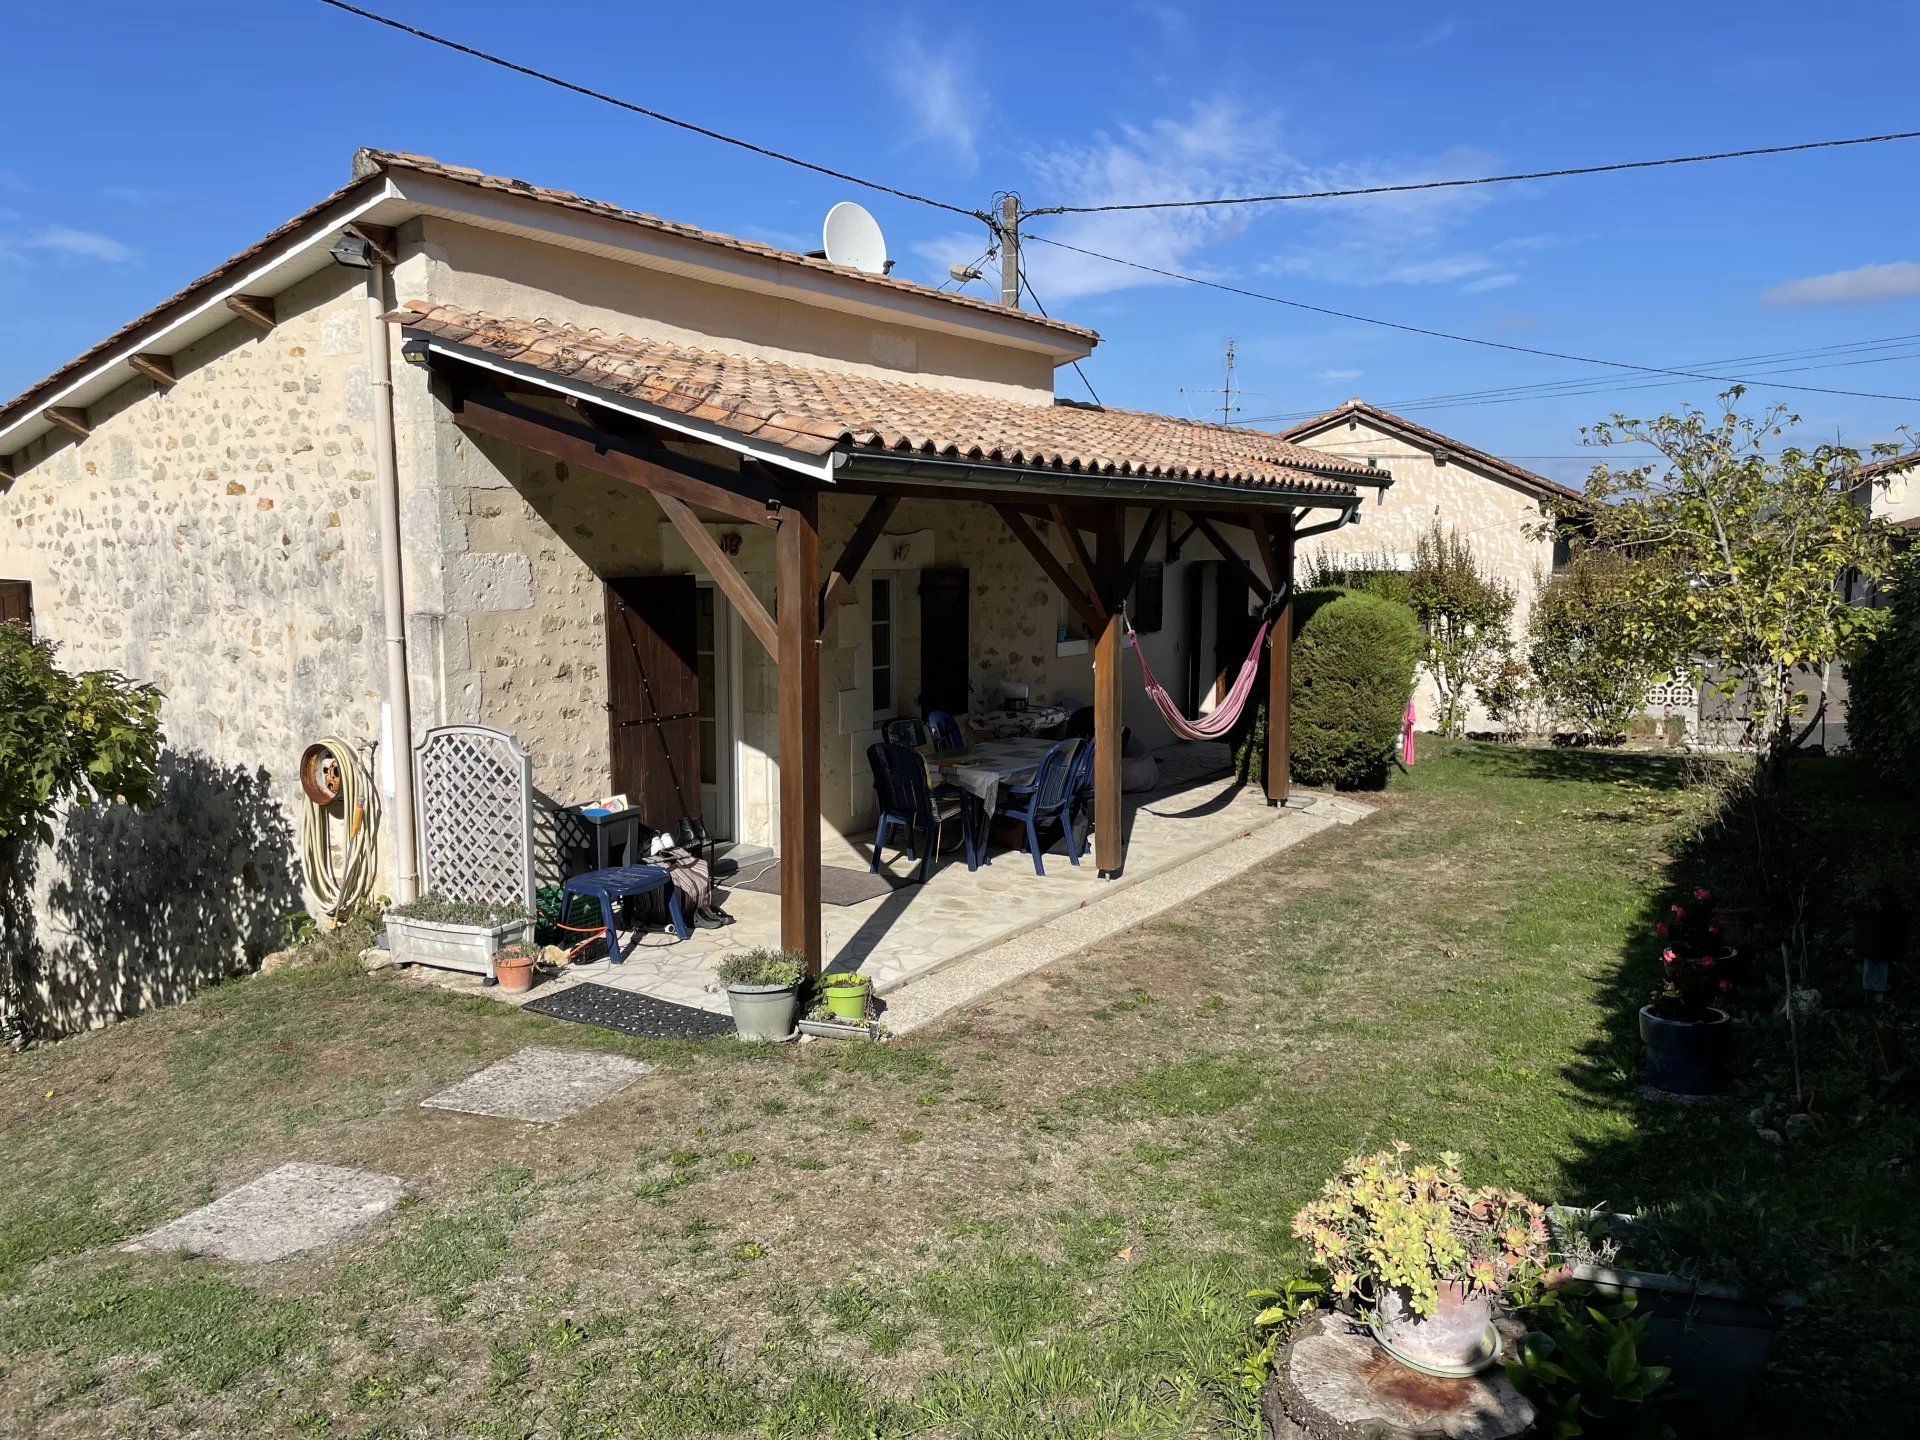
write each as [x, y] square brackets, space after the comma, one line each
[964, 273]
[352, 251]
[414, 352]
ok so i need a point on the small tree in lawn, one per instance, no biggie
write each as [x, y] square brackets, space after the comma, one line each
[1592, 650]
[1741, 554]
[1464, 615]
[64, 738]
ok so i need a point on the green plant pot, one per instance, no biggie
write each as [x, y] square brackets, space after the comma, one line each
[847, 996]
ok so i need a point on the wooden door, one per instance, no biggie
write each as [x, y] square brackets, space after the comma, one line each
[16, 603]
[945, 640]
[653, 695]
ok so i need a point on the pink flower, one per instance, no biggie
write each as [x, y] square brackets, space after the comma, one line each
[1705, 962]
[1725, 986]
[1668, 955]
[1713, 927]
[1661, 929]
[1703, 894]
[1678, 913]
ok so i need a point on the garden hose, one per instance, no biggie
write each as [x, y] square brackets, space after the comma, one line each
[335, 780]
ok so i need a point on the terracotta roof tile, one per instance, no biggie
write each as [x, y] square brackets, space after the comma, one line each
[1387, 420]
[813, 411]
[372, 161]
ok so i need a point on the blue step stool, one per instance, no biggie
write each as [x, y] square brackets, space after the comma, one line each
[624, 882]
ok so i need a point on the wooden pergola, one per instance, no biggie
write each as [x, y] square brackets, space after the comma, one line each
[1086, 557]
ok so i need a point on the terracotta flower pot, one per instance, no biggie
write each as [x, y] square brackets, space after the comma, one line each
[1457, 1339]
[515, 973]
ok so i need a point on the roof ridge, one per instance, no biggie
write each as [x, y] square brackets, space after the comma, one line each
[1357, 406]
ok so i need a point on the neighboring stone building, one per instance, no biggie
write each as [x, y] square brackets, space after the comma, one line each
[1495, 504]
[196, 501]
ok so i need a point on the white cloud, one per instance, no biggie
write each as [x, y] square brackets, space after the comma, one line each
[942, 96]
[63, 241]
[1489, 282]
[1339, 375]
[1897, 281]
[1216, 149]
[1437, 33]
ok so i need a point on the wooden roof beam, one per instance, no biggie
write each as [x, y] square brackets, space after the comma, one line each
[859, 545]
[157, 368]
[254, 309]
[69, 418]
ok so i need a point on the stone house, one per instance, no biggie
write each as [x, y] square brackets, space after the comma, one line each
[451, 448]
[1495, 504]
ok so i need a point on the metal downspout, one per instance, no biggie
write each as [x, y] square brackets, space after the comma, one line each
[392, 592]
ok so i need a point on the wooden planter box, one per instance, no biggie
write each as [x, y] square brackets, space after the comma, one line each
[1714, 1337]
[452, 947]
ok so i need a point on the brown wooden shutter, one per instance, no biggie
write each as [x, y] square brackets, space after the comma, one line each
[653, 695]
[16, 603]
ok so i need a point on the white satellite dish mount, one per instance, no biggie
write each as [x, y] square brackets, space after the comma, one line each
[852, 237]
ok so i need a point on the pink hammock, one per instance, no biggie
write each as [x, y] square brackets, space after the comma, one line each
[1219, 724]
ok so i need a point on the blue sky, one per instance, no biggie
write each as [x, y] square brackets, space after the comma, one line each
[143, 144]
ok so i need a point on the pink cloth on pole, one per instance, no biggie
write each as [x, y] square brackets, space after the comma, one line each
[1406, 735]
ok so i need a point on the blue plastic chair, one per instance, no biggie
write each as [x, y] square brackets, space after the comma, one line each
[1047, 800]
[1080, 799]
[908, 801]
[909, 732]
[946, 731]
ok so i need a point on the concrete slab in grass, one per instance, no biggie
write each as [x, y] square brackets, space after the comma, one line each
[284, 1212]
[541, 1083]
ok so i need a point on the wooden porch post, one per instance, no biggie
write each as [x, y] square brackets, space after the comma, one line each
[797, 578]
[1110, 537]
[1280, 668]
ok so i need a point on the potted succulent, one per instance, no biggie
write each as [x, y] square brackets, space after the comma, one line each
[513, 968]
[763, 991]
[1687, 1036]
[1424, 1254]
[846, 992]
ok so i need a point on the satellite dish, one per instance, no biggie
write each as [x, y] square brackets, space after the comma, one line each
[852, 238]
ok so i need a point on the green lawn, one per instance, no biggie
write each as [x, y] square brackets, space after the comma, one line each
[1037, 1219]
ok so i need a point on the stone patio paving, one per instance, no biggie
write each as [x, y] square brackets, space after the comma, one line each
[917, 929]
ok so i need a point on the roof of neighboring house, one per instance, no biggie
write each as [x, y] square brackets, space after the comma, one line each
[813, 411]
[372, 169]
[1890, 464]
[1358, 409]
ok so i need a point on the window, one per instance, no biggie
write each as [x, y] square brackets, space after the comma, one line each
[1070, 636]
[1145, 605]
[880, 633]
[16, 603]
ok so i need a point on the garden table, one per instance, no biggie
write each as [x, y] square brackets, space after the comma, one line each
[1007, 724]
[623, 883]
[984, 767]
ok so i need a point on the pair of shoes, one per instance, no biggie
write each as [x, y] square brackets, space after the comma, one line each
[711, 917]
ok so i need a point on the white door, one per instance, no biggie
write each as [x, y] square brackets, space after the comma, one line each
[713, 651]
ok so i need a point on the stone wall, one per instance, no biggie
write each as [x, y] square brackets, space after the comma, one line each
[217, 539]
[1492, 513]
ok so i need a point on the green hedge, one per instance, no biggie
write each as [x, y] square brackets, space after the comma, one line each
[1883, 700]
[1353, 662]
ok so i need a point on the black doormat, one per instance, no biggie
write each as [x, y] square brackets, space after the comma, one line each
[838, 886]
[631, 1014]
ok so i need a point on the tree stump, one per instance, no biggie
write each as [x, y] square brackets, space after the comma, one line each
[1334, 1382]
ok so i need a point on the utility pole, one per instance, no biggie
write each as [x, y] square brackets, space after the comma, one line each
[1010, 251]
[1226, 392]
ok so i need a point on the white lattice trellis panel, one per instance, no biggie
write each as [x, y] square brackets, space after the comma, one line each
[475, 792]
[1675, 693]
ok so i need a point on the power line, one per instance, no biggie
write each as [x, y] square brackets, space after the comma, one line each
[1444, 334]
[1028, 286]
[1589, 385]
[1401, 189]
[665, 119]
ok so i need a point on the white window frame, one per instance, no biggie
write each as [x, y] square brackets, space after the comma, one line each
[891, 659]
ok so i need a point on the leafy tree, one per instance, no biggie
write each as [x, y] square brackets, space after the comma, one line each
[1464, 615]
[1591, 649]
[1742, 554]
[64, 739]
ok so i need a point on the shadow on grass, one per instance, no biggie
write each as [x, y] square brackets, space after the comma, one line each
[1583, 764]
[1828, 1210]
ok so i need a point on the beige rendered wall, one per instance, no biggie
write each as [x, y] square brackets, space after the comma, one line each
[1493, 514]
[502, 275]
[216, 539]
[1898, 499]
